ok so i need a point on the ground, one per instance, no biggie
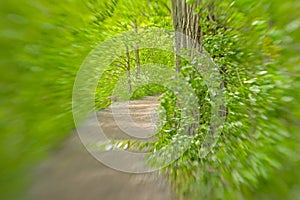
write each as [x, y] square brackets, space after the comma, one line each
[72, 173]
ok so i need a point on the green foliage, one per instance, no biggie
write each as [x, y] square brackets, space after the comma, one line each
[41, 47]
[259, 138]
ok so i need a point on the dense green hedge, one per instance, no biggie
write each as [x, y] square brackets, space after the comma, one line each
[256, 154]
[42, 46]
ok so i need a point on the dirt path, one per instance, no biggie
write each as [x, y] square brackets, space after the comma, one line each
[73, 174]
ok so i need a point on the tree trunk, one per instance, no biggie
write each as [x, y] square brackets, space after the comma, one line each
[188, 41]
[128, 69]
[136, 51]
[187, 31]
